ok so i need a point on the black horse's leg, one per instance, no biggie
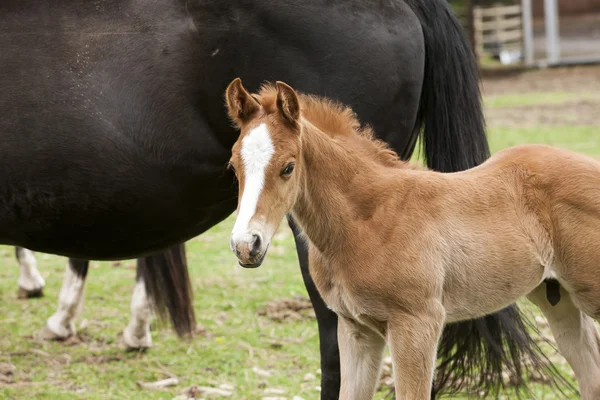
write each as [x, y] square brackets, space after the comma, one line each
[70, 302]
[167, 289]
[327, 322]
[137, 333]
[31, 283]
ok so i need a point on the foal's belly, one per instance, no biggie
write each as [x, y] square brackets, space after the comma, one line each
[484, 288]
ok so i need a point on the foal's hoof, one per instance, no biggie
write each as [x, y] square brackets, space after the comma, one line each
[30, 294]
[48, 334]
[130, 342]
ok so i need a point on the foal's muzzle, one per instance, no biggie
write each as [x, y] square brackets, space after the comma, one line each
[250, 250]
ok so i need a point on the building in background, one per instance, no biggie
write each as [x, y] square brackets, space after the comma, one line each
[534, 32]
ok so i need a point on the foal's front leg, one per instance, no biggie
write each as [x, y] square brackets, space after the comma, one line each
[413, 337]
[327, 322]
[361, 352]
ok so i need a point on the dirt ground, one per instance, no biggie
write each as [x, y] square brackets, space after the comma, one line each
[579, 85]
[583, 79]
[296, 309]
[581, 105]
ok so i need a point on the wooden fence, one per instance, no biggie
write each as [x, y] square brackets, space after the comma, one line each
[497, 28]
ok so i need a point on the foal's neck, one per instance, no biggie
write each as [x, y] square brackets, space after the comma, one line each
[339, 192]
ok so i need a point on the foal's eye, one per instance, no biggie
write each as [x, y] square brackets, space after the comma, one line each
[288, 169]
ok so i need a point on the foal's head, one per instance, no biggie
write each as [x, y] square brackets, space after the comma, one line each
[267, 162]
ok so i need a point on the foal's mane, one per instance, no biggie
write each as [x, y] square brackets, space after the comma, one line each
[337, 121]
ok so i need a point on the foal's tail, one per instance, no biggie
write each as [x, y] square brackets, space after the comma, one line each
[473, 354]
[168, 287]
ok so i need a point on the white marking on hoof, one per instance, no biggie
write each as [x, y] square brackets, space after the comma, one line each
[47, 332]
[70, 301]
[137, 334]
[31, 283]
[133, 342]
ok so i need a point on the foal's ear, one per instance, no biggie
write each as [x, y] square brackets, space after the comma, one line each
[241, 106]
[288, 104]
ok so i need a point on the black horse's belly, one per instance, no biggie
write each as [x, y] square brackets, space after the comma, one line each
[110, 205]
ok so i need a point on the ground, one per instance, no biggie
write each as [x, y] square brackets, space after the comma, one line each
[255, 335]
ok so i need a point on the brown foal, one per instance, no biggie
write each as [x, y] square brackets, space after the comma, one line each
[398, 251]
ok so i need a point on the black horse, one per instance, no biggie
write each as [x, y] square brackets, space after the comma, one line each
[115, 138]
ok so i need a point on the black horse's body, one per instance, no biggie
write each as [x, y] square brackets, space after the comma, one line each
[114, 134]
[106, 150]
[114, 137]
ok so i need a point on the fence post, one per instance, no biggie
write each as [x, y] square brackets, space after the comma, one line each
[527, 27]
[552, 40]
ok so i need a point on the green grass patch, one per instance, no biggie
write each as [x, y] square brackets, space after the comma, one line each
[539, 98]
[226, 301]
[583, 139]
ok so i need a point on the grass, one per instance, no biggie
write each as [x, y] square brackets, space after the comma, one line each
[584, 139]
[546, 98]
[226, 300]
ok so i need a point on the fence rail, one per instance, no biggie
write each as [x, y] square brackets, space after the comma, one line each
[499, 10]
[497, 28]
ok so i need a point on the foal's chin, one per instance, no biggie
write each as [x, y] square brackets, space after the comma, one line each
[253, 263]
[250, 265]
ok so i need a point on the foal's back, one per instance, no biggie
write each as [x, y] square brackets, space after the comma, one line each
[493, 233]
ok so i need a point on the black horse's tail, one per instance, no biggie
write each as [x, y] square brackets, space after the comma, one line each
[451, 110]
[168, 287]
[473, 354]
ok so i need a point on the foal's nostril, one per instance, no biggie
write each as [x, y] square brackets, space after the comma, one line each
[255, 245]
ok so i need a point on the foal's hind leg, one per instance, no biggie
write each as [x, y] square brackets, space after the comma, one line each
[137, 334]
[577, 339]
[31, 283]
[70, 302]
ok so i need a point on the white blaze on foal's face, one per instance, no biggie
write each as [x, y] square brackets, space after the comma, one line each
[256, 153]
[257, 150]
